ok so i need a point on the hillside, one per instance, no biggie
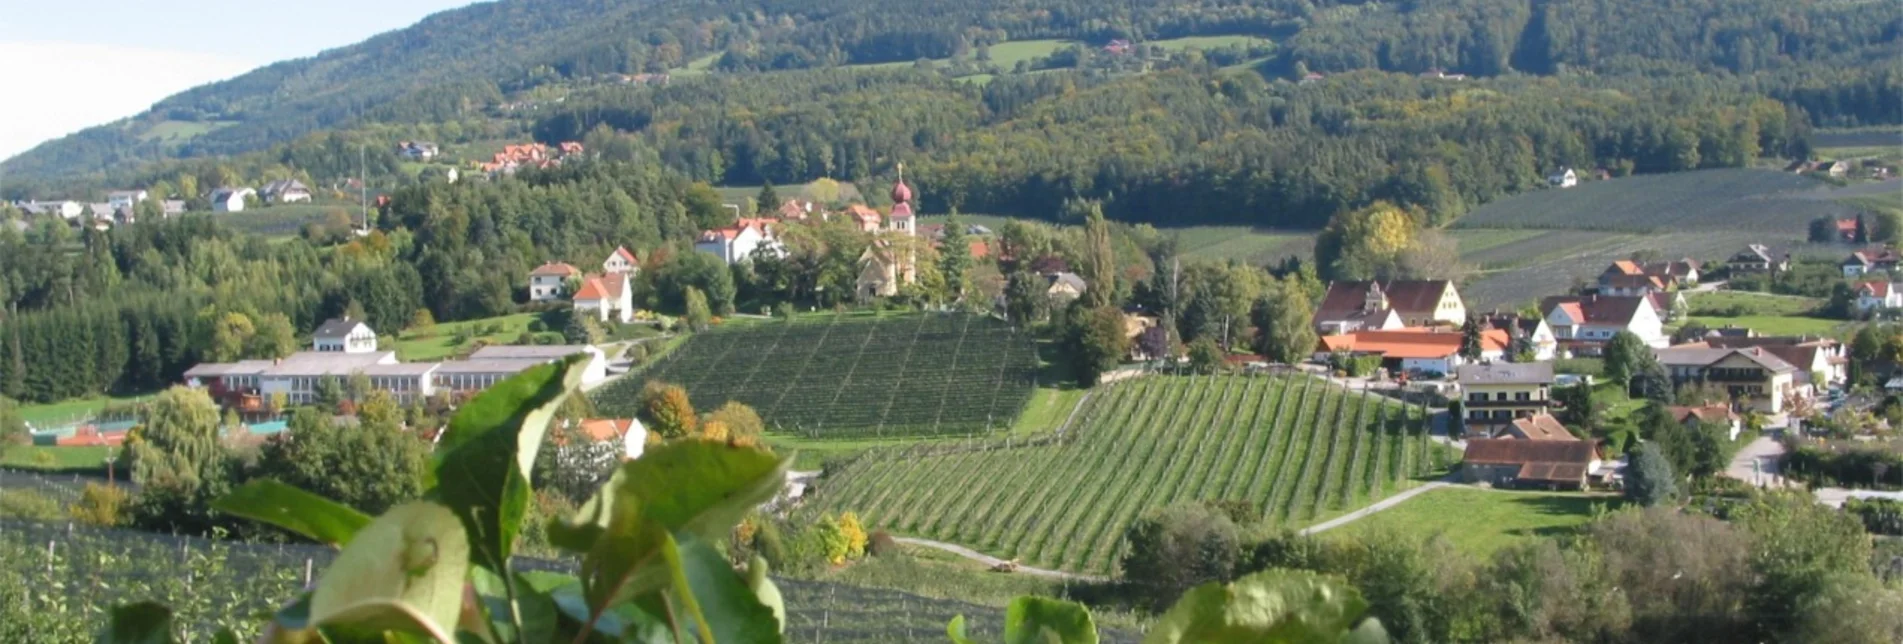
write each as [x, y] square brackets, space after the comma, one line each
[1291, 448]
[857, 377]
[484, 64]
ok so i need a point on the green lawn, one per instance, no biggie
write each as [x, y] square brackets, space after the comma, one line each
[1760, 304]
[1619, 406]
[1007, 54]
[1207, 42]
[1776, 324]
[70, 410]
[56, 459]
[1047, 410]
[1480, 521]
[696, 66]
[440, 342]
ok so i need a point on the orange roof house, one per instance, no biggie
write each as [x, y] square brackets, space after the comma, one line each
[1539, 427]
[1415, 348]
[555, 269]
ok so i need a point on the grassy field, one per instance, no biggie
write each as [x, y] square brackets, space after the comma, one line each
[1297, 448]
[1207, 42]
[1776, 324]
[854, 377]
[71, 410]
[440, 342]
[1007, 54]
[1749, 303]
[55, 459]
[1250, 245]
[1481, 522]
[1761, 201]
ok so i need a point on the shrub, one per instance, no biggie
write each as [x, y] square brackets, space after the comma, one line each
[768, 543]
[881, 544]
[834, 545]
[1580, 366]
[855, 535]
[29, 505]
[1179, 548]
[537, 326]
[100, 505]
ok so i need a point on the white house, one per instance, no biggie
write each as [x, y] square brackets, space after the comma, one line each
[344, 335]
[736, 244]
[550, 281]
[1378, 306]
[1876, 260]
[1533, 331]
[285, 191]
[230, 199]
[608, 295]
[125, 199]
[1565, 178]
[1879, 295]
[1583, 324]
[621, 261]
[64, 209]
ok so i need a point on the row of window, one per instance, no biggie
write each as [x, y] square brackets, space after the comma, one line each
[1521, 396]
[1497, 414]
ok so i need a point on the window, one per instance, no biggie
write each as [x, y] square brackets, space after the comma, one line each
[1523, 396]
[1500, 396]
[1502, 414]
[1477, 415]
[1477, 397]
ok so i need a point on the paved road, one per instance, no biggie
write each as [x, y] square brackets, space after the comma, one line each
[993, 561]
[1383, 504]
[1759, 463]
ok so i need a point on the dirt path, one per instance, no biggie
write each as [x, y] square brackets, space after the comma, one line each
[989, 560]
[1383, 504]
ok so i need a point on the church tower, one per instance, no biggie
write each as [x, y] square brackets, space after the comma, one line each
[902, 218]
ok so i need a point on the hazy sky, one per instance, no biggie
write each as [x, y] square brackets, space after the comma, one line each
[71, 64]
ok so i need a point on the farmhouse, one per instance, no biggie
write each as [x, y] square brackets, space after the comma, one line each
[621, 261]
[1872, 296]
[1063, 287]
[1498, 394]
[608, 296]
[1812, 356]
[1414, 349]
[1758, 258]
[1530, 332]
[64, 209]
[550, 281]
[1874, 260]
[344, 335]
[1758, 378]
[285, 191]
[1565, 178]
[1629, 278]
[1537, 427]
[230, 199]
[1583, 324]
[1720, 415]
[1356, 306]
[737, 243]
[1508, 462]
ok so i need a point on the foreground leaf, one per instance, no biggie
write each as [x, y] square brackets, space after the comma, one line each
[1037, 620]
[1267, 607]
[719, 598]
[404, 572]
[488, 455]
[141, 623]
[285, 506]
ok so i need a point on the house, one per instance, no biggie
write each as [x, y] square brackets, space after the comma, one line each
[608, 295]
[1629, 278]
[172, 207]
[1414, 349]
[1847, 229]
[1814, 357]
[285, 191]
[1836, 169]
[1583, 324]
[1529, 331]
[550, 281]
[1063, 288]
[298, 378]
[1355, 306]
[1496, 394]
[882, 270]
[1873, 296]
[1719, 414]
[1565, 178]
[344, 335]
[737, 243]
[63, 209]
[1118, 47]
[1677, 273]
[230, 199]
[621, 261]
[1538, 427]
[1758, 378]
[416, 150]
[628, 433]
[1873, 260]
[124, 199]
[1510, 462]
[1758, 258]
[866, 219]
[800, 210]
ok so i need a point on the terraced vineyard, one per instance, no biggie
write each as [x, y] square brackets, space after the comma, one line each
[854, 377]
[1296, 447]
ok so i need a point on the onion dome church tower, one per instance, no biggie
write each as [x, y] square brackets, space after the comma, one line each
[902, 218]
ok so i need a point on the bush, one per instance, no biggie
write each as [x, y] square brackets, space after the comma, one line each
[537, 326]
[100, 505]
[1179, 548]
[835, 545]
[1580, 366]
[854, 533]
[881, 544]
[29, 505]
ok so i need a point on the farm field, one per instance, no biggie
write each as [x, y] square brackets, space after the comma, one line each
[1776, 324]
[1751, 200]
[211, 584]
[284, 219]
[1480, 522]
[1296, 447]
[853, 377]
[55, 459]
[439, 342]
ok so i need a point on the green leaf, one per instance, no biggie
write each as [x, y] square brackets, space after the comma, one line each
[1038, 620]
[724, 607]
[141, 623]
[488, 454]
[956, 631]
[1266, 607]
[540, 619]
[225, 636]
[764, 588]
[288, 507]
[404, 572]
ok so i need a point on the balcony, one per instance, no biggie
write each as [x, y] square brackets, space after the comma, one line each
[1506, 404]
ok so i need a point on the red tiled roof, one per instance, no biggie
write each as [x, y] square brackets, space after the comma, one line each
[622, 252]
[862, 213]
[1626, 267]
[603, 429]
[556, 269]
[1513, 451]
[1718, 413]
[592, 289]
[1410, 343]
[1878, 289]
[1542, 427]
[1596, 308]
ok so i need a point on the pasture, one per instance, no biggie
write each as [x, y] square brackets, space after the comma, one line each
[1480, 522]
[853, 377]
[450, 338]
[1775, 324]
[1296, 448]
[1739, 199]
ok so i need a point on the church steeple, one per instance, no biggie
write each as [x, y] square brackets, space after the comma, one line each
[901, 193]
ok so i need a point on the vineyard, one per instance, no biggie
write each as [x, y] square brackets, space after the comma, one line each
[1739, 199]
[1294, 447]
[212, 585]
[847, 377]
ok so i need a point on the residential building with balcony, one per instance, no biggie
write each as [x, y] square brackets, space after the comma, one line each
[1494, 395]
[1755, 377]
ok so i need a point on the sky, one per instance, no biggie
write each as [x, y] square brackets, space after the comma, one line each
[72, 64]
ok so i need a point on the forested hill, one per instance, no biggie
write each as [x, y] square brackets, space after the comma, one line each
[463, 64]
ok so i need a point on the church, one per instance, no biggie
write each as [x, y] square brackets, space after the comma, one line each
[892, 260]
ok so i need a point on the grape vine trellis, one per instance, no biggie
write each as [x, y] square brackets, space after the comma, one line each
[1294, 446]
[854, 377]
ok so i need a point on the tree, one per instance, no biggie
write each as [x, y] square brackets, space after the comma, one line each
[954, 256]
[668, 411]
[1863, 231]
[1577, 408]
[1470, 347]
[1888, 227]
[1823, 230]
[1100, 259]
[274, 337]
[1205, 356]
[230, 335]
[768, 199]
[1653, 382]
[371, 464]
[855, 534]
[1649, 480]
[699, 317]
[1284, 323]
[1366, 243]
[583, 328]
[1625, 357]
[13, 431]
[179, 462]
[1177, 548]
[743, 425]
[1094, 342]
[423, 321]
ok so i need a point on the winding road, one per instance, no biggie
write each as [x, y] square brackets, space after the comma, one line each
[993, 561]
